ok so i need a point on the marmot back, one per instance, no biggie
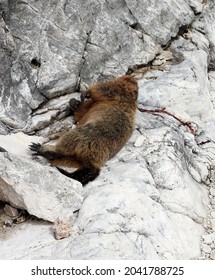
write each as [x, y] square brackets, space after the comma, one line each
[105, 121]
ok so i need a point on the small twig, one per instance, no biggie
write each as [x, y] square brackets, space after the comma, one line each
[162, 111]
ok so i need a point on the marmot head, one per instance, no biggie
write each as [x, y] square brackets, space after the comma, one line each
[122, 89]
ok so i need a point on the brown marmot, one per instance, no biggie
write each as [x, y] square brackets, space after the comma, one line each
[105, 121]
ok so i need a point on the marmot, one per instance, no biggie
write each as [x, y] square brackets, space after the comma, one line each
[105, 122]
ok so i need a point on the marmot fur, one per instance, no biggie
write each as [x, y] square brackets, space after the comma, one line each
[105, 122]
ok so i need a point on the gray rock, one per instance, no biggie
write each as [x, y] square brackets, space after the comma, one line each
[155, 20]
[41, 121]
[51, 117]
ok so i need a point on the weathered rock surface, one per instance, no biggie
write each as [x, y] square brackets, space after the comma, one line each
[156, 198]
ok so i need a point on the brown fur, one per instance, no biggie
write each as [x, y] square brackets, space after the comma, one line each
[104, 124]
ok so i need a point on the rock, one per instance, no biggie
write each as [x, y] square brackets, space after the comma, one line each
[156, 21]
[125, 217]
[53, 51]
[62, 228]
[41, 121]
[124, 36]
[10, 211]
[51, 117]
[37, 65]
[37, 188]
[55, 129]
[17, 143]
[172, 96]
[48, 195]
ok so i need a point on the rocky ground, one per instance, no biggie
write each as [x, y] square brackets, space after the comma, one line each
[156, 198]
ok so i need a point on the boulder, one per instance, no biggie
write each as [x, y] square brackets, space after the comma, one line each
[35, 187]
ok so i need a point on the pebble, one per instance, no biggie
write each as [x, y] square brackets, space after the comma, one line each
[62, 228]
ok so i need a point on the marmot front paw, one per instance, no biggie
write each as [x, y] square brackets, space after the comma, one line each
[74, 104]
[35, 147]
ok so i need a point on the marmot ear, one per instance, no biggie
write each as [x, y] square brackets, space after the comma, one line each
[128, 78]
